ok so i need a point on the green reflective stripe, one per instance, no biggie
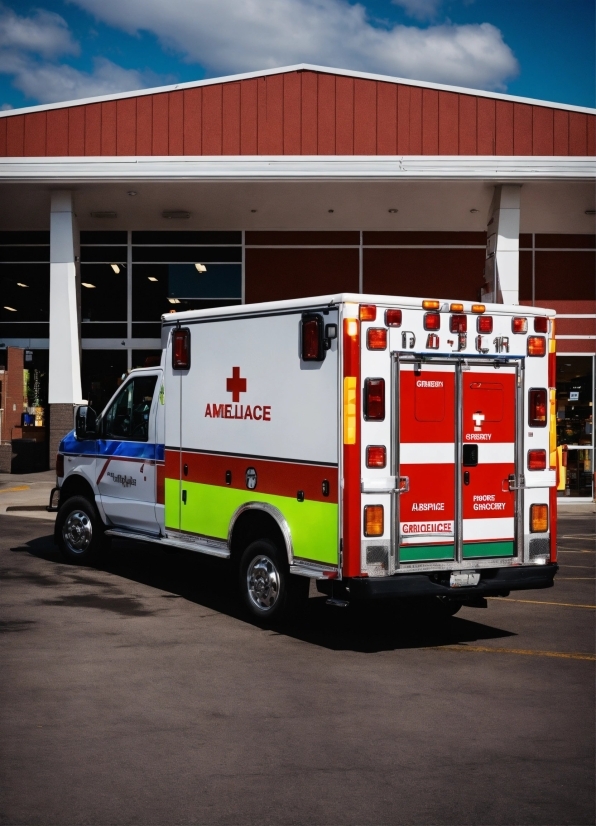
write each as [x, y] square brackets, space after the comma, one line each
[482, 549]
[422, 553]
[209, 510]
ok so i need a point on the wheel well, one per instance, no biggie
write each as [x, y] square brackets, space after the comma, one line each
[76, 485]
[251, 525]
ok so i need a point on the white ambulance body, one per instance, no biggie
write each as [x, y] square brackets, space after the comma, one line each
[384, 446]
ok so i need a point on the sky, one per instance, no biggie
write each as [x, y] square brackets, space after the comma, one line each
[68, 49]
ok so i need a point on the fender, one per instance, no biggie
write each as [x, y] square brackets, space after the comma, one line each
[276, 515]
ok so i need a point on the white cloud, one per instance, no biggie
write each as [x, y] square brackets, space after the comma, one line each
[228, 36]
[420, 9]
[44, 33]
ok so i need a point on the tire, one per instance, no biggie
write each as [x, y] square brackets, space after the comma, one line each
[268, 590]
[448, 607]
[79, 531]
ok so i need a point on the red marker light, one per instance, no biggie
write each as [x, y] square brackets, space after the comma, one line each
[519, 325]
[537, 403]
[541, 324]
[432, 321]
[376, 456]
[374, 400]
[368, 312]
[484, 323]
[458, 324]
[312, 337]
[376, 338]
[181, 349]
[536, 346]
[393, 318]
[536, 459]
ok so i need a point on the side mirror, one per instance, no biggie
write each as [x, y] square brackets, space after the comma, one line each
[85, 422]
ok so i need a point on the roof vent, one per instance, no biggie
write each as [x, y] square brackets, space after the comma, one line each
[176, 214]
[104, 215]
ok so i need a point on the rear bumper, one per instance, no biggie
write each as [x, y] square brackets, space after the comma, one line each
[493, 582]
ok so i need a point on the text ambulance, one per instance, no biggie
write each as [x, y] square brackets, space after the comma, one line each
[386, 447]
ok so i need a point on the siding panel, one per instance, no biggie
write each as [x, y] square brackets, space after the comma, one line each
[231, 119]
[176, 124]
[542, 131]
[578, 133]
[561, 132]
[126, 126]
[344, 116]
[415, 120]
[144, 141]
[326, 115]
[35, 134]
[57, 140]
[248, 117]
[3, 124]
[212, 120]
[467, 125]
[430, 122]
[76, 131]
[309, 113]
[192, 121]
[448, 123]
[365, 117]
[386, 119]
[92, 130]
[292, 120]
[522, 129]
[486, 126]
[403, 120]
[108, 128]
[591, 148]
[159, 125]
[274, 116]
[503, 127]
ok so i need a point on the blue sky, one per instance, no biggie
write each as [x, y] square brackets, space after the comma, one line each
[67, 49]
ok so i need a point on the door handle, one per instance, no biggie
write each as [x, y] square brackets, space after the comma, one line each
[184, 497]
[466, 477]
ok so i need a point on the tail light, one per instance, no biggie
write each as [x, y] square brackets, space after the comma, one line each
[458, 323]
[373, 520]
[60, 465]
[536, 346]
[376, 338]
[537, 404]
[312, 338]
[368, 312]
[484, 324]
[432, 321]
[374, 400]
[539, 518]
[536, 459]
[519, 325]
[541, 324]
[376, 456]
[181, 349]
[393, 318]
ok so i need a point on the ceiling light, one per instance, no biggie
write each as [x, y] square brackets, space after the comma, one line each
[473, 210]
[176, 214]
[253, 210]
[151, 278]
[104, 214]
[89, 286]
[330, 210]
[132, 192]
[21, 285]
[392, 210]
[591, 212]
[174, 300]
[200, 268]
[115, 267]
[12, 309]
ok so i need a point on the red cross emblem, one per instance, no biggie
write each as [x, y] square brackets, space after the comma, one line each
[236, 385]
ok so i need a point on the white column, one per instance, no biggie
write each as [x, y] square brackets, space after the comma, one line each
[502, 247]
[65, 361]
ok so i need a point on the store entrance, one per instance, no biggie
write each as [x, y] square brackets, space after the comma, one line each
[575, 418]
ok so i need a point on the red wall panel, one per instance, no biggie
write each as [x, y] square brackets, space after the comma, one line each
[108, 128]
[76, 131]
[212, 120]
[176, 124]
[542, 131]
[365, 117]
[344, 117]
[192, 121]
[292, 114]
[467, 125]
[578, 133]
[35, 135]
[486, 126]
[503, 127]
[57, 132]
[271, 119]
[92, 130]
[3, 125]
[126, 126]
[248, 117]
[159, 125]
[326, 115]
[430, 122]
[144, 135]
[386, 119]
[274, 274]
[403, 120]
[231, 119]
[448, 123]
[415, 120]
[309, 113]
[522, 129]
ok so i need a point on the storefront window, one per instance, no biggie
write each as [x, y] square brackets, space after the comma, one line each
[102, 372]
[575, 406]
[24, 284]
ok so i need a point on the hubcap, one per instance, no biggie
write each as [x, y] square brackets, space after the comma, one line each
[262, 579]
[77, 532]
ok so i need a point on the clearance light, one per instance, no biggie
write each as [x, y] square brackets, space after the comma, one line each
[478, 308]
[537, 408]
[484, 324]
[373, 520]
[350, 410]
[351, 327]
[536, 459]
[432, 321]
[431, 305]
[393, 318]
[539, 518]
[374, 400]
[368, 312]
[458, 323]
[181, 349]
[519, 325]
[376, 456]
[536, 346]
[541, 324]
[456, 308]
[376, 338]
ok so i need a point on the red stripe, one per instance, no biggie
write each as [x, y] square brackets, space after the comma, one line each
[552, 495]
[351, 492]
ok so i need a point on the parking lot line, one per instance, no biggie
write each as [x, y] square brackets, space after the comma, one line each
[585, 567]
[573, 551]
[575, 577]
[15, 489]
[544, 602]
[564, 655]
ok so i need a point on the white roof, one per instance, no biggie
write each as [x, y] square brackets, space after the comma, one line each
[299, 67]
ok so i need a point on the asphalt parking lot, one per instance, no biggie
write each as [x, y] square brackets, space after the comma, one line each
[139, 693]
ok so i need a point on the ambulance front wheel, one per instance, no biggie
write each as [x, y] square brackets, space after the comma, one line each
[79, 531]
[267, 588]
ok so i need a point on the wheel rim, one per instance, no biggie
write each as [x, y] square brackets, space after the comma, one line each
[263, 583]
[77, 532]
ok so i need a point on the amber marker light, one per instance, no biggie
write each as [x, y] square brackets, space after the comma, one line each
[478, 308]
[536, 346]
[430, 305]
[456, 308]
[367, 312]
[539, 518]
[373, 520]
[376, 456]
[376, 338]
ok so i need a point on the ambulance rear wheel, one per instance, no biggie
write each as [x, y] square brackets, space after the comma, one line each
[79, 531]
[268, 590]
[448, 607]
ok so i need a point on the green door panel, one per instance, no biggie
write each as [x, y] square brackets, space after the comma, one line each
[425, 553]
[479, 550]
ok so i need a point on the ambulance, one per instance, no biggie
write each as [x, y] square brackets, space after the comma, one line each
[384, 447]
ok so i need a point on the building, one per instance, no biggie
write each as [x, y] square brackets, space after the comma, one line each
[295, 181]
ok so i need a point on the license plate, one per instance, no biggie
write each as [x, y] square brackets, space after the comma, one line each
[462, 579]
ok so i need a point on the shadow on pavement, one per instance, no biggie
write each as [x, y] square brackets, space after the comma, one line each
[210, 583]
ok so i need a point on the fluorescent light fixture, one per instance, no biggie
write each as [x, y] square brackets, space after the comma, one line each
[21, 285]
[132, 192]
[174, 300]
[591, 212]
[151, 278]
[89, 286]
[12, 309]
[392, 210]
[200, 268]
[176, 214]
[473, 210]
[115, 267]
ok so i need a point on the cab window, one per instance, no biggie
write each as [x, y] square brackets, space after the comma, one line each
[128, 415]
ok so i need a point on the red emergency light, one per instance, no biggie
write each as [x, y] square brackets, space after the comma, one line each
[458, 324]
[376, 338]
[393, 318]
[376, 456]
[541, 324]
[537, 406]
[312, 337]
[432, 321]
[181, 349]
[368, 312]
[519, 325]
[484, 323]
[536, 459]
[374, 400]
[536, 346]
